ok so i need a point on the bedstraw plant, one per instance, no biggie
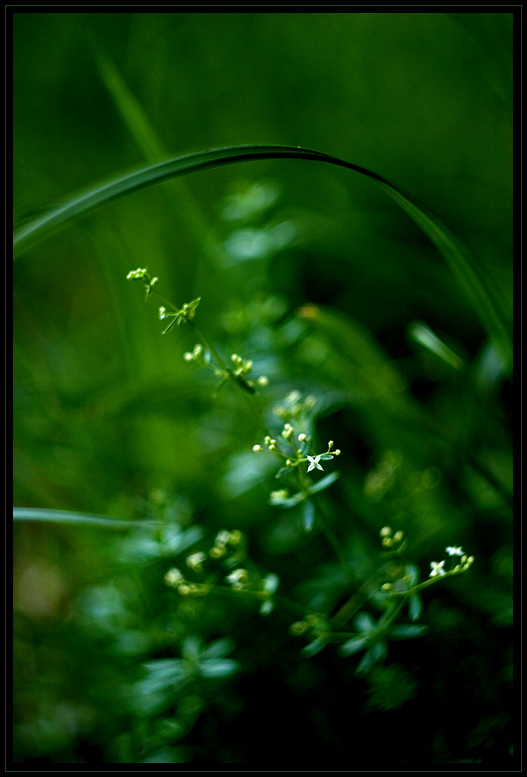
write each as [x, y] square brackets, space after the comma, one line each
[332, 568]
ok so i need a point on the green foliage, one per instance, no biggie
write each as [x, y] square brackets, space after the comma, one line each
[195, 581]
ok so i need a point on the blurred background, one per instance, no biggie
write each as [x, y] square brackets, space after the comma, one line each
[108, 419]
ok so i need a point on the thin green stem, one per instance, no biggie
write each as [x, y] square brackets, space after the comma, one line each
[356, 601]
[391, 614]
[332, 539]
[429, 582]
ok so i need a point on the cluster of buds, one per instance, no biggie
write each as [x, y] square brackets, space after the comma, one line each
[238, 579]
[242, 367]
[174, 578]
[198, 355]
[229, 546]
[142, 274]
[240, 370]
[179, 316]
[278, 497]
[297, 452]
[391, 540]
[255, 586]
[313, 626]
[465, 562]
[294, 408]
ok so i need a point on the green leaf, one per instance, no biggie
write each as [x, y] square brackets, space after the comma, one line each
[415, 607]
[78, 519]
[290, 501]
[353, 646]
[364, 622]
[314, 647]
[284, 471]
[423, 335]
[412, 570]
[218, 667]
[376, 653]
[219, 648]
[491, 309]
[166, 755]
[308, 516]
[266, 607]
[407, 632]
[167, 671]
[324, 483]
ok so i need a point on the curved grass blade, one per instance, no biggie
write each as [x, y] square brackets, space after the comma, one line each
[136, 121]
[423, 335]
[473, 277]
[79, 519]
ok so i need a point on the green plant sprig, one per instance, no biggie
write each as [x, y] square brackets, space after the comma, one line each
[221, 369]
[244, 386]
[402, 590]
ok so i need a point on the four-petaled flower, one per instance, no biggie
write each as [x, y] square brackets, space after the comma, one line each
[454, 550]
[314, 461]
[437, 568]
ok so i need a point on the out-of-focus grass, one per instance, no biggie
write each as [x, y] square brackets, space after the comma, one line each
[108, 418]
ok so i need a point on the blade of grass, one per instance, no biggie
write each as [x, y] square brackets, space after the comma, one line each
[152, 147]
[471, 275]
[79, 519]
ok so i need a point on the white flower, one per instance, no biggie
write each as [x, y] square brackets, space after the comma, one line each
[222, 537]
[195, 560]
[174, 577]
[314, 461]
[437, 568]
[238, 576]
[453, 550]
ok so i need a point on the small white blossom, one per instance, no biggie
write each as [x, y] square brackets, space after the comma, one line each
[222, 537]
[174, 577]
[139, 273]
[283, 493]
[195, 560]
[437, 568]
[314, 461]
[270, 583]
[453, 550]
[238, 576]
